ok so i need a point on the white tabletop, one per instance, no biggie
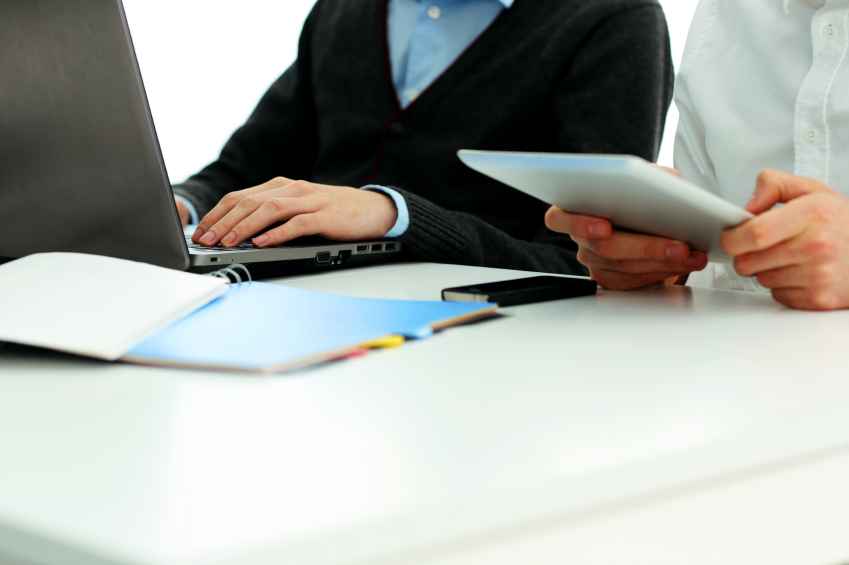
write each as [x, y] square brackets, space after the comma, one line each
[549, 417]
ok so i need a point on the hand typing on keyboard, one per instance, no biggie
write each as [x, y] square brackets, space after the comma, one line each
[193, 245]
[283, 210]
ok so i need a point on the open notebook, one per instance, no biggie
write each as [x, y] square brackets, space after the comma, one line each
[94, 306]
[113, 309]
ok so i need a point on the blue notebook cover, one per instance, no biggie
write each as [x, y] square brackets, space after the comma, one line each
[271, 328]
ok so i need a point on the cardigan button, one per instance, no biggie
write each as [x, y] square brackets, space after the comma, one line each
[397, 128]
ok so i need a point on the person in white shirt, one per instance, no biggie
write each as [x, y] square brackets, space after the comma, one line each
[763, 94]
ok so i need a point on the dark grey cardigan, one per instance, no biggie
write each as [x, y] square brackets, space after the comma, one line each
[548, 75]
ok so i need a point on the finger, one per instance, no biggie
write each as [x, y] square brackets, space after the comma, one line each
[628, 246]
[226, 204]
[773, 227]
[588, 227]
[696, 262]
[272, 211]
[299, 226]
[202, 233]
[773, 187]
[611, 280]
[786, 277]
[804, 299]
[781, 256]
[222, 230]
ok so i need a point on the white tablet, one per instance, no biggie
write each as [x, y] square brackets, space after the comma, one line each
[634, 194]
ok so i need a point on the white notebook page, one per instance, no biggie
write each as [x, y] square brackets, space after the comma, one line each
[94, 306]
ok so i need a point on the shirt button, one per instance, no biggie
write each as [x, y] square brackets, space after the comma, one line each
[434, 12]
[828, 31]
[812, 136]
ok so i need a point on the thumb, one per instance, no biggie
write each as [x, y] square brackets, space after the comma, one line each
[778, 187]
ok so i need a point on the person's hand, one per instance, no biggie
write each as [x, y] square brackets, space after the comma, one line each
[625, 261]
[801, 250]
[183, 212]
[303, 208]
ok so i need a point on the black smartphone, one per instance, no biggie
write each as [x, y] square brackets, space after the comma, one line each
[522, 291]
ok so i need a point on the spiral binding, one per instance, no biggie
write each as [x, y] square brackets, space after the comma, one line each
[232, 274]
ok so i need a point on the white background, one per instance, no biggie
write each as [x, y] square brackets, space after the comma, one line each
[207, 62]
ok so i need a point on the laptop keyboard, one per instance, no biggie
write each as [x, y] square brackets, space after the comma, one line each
[192, 245]
[310, 241]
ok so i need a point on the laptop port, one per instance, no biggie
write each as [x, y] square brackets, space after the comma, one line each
[362, 248]
[322, 258]
[377, 248]
[344, 255]
[391, 247]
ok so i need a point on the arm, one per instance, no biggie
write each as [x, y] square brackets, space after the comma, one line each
[612, 98]
[440, 235]
[278, 136]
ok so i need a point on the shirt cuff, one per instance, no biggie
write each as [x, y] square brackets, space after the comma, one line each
[403, 223]
[193, 213]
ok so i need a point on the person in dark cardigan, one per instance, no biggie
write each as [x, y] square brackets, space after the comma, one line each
[358, 138]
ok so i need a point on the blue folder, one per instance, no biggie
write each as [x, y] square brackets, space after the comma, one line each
[271, 328]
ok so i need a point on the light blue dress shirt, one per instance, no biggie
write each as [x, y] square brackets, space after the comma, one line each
[425, 38]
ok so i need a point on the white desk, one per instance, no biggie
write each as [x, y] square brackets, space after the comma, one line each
[662, 427]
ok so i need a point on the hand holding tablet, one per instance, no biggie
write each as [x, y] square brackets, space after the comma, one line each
[599, 192]
[619, 260]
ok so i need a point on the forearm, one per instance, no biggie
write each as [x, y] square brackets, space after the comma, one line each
[444, 236]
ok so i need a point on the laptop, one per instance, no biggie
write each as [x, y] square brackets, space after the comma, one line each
[81, 168]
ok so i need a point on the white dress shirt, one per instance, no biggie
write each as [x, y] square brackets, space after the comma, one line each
[764, 84]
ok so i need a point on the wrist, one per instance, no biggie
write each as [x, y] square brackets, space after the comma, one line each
[401, 213]
[387, 212]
